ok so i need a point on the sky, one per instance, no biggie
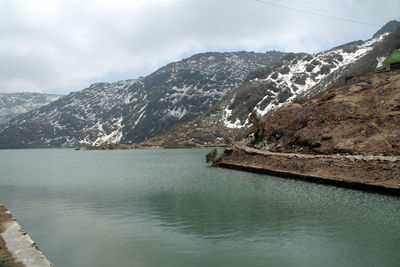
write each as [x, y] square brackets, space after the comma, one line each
[59, 46]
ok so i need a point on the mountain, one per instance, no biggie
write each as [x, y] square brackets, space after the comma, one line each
[215, 92]
[388, 27]
[360, 117]
[297, 77]
[302, 76]
[348, 136]
[13, 104]
[134, 110]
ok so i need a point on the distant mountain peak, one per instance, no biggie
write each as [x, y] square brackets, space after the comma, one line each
[388, 27]
[14, 104]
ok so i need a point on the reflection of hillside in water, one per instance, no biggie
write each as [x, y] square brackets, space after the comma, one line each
[220, 215]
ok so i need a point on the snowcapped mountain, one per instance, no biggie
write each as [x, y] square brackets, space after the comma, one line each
[301, 76]
[297, 77]
[134, 110]
[13, 104]
[221, 88]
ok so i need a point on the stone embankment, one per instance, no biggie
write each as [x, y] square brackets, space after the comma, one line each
[16, 246]
[372, 172]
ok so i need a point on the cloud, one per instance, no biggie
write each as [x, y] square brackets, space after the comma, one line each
[64, 45]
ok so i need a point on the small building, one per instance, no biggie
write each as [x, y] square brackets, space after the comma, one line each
[392, 61]
[379, 66]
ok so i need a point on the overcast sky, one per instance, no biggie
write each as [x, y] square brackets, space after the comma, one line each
[59, 46]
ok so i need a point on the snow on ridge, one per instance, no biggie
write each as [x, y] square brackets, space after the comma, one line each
[13, 104]
[333, 60]
[113, 137]
[225, 118]
[300, 68]
[187, 87]
[236, 125]
[176, 112]
[141, 111]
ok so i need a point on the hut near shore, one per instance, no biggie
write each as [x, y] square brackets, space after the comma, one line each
[392, 61]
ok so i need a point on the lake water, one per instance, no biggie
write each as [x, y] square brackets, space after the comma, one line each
[167, 208]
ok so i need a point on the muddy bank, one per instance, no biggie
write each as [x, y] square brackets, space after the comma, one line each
[16, 246]
[372, 173]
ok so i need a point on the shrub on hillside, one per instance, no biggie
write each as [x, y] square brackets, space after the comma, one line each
[210, 157]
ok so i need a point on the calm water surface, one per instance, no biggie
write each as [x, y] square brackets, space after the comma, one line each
[167, 208]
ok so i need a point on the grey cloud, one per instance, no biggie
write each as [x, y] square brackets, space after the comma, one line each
[64, 45]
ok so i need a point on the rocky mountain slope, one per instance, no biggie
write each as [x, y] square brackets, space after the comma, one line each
[294, 79]
[360, 117]
[301, 76]
[134, 110]
[13, 104]
[349, 136]
[388, 27]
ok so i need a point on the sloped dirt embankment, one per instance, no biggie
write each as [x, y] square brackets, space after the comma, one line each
[348, 136]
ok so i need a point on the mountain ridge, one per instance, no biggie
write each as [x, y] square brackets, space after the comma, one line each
[230, 116]
[222, 89]
[134, 110]
[14, 104]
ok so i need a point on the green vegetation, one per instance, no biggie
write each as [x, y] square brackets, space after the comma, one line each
[227, 140]
[258, 127]
[300, 100]
[254, 118]
[210, 157]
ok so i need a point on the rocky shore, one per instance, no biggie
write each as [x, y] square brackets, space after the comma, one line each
[371, 173]
[16, 246]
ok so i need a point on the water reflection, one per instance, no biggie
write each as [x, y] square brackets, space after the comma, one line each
[211, 216]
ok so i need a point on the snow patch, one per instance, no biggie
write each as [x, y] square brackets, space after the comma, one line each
[112, 138]
[285, 80]
[176, 112]
[236, 125]
[141, 111]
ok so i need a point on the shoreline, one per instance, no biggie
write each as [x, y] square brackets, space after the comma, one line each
[377, 174]
[19, 249]
[124, 146]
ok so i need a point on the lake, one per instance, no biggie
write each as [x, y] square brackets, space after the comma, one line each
[168, 208]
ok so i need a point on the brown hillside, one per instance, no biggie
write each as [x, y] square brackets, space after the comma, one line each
[360, 117]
